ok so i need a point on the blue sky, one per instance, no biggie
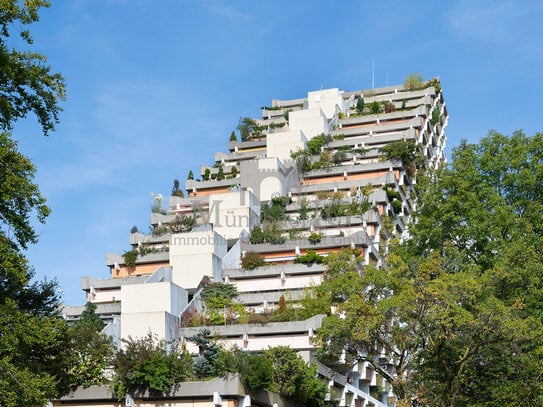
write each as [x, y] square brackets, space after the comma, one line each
[155, 88]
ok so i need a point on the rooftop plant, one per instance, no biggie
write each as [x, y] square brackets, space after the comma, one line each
[413, 81]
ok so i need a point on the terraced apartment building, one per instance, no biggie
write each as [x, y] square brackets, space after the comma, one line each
[311, 177]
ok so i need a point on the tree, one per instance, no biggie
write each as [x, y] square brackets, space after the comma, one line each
[248, 128]
[294, 378]
[35, 347]
[26, 81]
[175, 189]
[360, 105]
[458, 308]
[147, 364]
[220, 173]
[190, 175]
[92, 350]
[233, 136]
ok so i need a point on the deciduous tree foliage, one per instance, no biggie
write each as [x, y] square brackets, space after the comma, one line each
[458, 309]
[34, 341]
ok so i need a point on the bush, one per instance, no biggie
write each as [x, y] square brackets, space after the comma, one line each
[413, 81]
[207, 173]
[389, 107]
[436, 83]
[145, 364]
[220, 174]
[130, 257]
[252, 260]
[310, 256]
[175, 189]
[436, 116]
[360, 105]
[376, 107]
[315, 237]
[191, 175]
[233, 136]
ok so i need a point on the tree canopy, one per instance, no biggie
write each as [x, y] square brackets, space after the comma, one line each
[35, 344]
[457, 309]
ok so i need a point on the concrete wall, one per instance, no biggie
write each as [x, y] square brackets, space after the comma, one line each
[311, 122]
[326, 100]
[152, 307]
[195, 255]
[281, 144]
[233, 212]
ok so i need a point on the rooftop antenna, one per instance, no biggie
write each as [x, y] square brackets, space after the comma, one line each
[373, 73]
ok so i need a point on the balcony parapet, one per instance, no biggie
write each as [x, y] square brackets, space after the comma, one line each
[360, 238]
[270, 328]
[274, 271]
[191, 184]
[109, 283]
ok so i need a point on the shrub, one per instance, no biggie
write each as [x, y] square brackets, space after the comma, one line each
[389, 107]
[252, 260]
[248, 128]
[376, 107]
[413, 81]
[310, 256]
[257, 236]
[436, 116]
[436, 83]
[339, 157]
[360, 105]
[220, 174]
[207, 173]
[145, 364]
[233, 136]
[315, 237]
[175, 189]
[304, 209]
[130, 257]
[234, 171]
[191, 175]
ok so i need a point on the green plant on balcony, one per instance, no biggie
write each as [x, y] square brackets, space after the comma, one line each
[207, 174]
[175, 189]
[338, 137]
[310, 256]
[274, 125]
[275, 209]
[252, 260]
[404, 151]
[360, 105]
[160, 230]
[234, 171]
[156, 205]
[413, 81]
[304, 209]
[339, 157]
[302, 158]
[285, 115]
[396, 205]
[436, 83]
[314, 237]
[436, 116]
[219, 299]
[190, 175]
[248, 129]
[233, 136]
[182, 224]
[220, 173]
[130, 257]
[375, 107]
[316, 143]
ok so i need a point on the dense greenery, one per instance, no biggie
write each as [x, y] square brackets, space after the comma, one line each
[248, 129]
[458, 308]
[146, 364]
[35, 344]
[252, 260]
